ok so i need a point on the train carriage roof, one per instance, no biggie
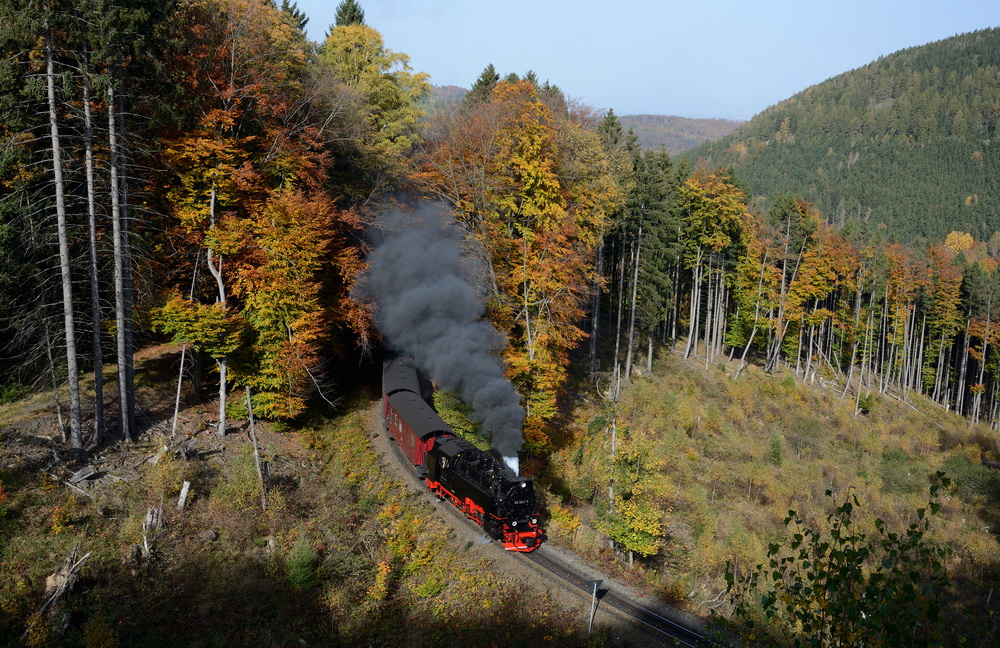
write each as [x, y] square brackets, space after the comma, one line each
[399, 376]
[423, 420]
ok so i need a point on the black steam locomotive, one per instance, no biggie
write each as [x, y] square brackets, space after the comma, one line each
[489, 494]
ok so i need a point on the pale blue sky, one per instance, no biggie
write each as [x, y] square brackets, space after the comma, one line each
[729, 59]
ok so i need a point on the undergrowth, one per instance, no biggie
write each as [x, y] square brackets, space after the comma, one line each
[729, 458]
[343, 556]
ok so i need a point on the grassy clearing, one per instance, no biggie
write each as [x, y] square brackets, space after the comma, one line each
[726, 460]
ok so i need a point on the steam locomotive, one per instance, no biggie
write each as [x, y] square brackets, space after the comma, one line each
[489, 494]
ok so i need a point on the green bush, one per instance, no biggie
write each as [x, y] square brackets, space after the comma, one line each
[11, 392]
[844, 587]
[458, 416]
[774, 453]
[301, 564]
[972, 479]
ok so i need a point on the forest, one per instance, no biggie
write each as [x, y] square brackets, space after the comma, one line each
[906, 140]
[198, 173]
[676, 134]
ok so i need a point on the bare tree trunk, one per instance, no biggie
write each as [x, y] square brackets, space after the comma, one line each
[774, 353]
[918, 372]
[635, 286]
[854, 343]
[675, 312]
[617, 379]
[709, 311]
[621, 298]
[864, 361]
[595, 301]
[720, 315]
[55, 384]
[73, 376]
[977, 399]
[527, 306]
[125, 393]
[756, 318]
[256, 453]
[723, 313]
[95, 296]
[692, 342]
[963, 366]
[939, 372]
[180, 372]
[217, 273]
[126, 258]
[809, 352]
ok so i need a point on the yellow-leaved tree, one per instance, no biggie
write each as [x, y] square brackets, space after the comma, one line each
[372, 102]
[533, 187]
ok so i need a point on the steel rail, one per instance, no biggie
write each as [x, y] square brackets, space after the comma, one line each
[657, 623]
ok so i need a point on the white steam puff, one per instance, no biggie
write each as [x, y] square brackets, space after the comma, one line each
[426, 309]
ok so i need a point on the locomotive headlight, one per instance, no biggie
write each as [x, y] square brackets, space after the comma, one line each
[514, 523]
[524, 484]
[534, 520]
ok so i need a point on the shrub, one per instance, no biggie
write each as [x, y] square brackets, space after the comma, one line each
[458, 416]
[431, 587]
[301, 564]
[774, 454]
[900, 474]
[12, 392]
[165, 477]
[868, 590]
[240, 485]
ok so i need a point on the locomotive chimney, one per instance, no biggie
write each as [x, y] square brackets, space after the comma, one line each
[513, 464]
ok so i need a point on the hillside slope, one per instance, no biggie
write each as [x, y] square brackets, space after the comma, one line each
[345, 554]
[709, 465]
[908, 140]
[676, 134]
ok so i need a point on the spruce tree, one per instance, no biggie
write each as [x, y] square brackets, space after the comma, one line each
[483, 86]
[299, 17]
[349, 12]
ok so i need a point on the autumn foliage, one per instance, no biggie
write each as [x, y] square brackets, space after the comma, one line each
[247, 188]
[534, 190]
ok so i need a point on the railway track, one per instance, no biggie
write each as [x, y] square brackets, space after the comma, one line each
[662, 630]
[669, 631]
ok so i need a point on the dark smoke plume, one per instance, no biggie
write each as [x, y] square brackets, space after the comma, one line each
[428, 310]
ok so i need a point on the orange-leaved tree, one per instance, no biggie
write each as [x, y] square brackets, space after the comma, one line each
[248, 191]
[533, 187]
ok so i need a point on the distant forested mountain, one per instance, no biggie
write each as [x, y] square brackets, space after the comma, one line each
[676, 134]
[447, 94]
[908, 140]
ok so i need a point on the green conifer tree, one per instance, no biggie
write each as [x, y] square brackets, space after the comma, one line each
[299, 17]
[483, 86]
[349, 12]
